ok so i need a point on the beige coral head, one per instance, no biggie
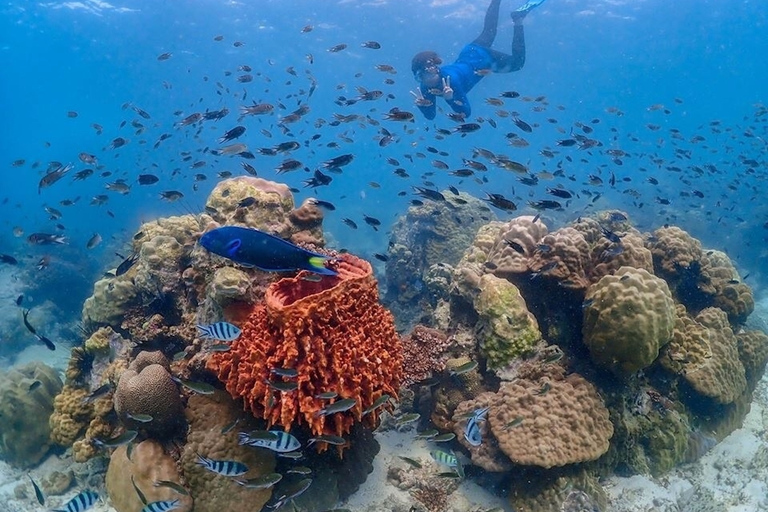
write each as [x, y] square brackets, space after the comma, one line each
[550, 423]
[524, 232]
[628, 318]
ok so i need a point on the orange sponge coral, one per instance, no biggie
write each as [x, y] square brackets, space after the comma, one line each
[332, 333]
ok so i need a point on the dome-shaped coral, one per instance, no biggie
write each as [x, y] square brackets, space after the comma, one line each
[550, 423]
[629, 317]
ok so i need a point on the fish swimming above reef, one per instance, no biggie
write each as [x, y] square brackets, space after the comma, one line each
[222, 331]
[262, 250]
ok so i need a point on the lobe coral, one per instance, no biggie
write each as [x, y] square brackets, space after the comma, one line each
[335, 335]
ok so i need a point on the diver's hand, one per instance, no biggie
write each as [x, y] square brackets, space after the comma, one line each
[447, 91]
[419, 99]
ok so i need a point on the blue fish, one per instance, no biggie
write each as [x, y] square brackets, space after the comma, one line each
[261, 250]
[472, 431]
[80, 503]
[161, 506]
[221, 331]
[222, 467]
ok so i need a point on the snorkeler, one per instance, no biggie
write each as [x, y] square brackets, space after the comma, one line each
[476, 60]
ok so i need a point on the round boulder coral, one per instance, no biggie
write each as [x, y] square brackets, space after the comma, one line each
[629, 317]
[549, 423]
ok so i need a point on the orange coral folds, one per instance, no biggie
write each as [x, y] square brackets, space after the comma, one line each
[333, 332]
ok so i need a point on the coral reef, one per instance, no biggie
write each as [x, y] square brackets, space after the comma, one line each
[148, 464]
[337, 337]
[506, 328]
[422, 349]
[704, 351]
[146, 388]
[207, 417]
[629, 317]
[504, 258]
[550, 423]
[26, 401]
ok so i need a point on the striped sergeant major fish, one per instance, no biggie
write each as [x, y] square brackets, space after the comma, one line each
[280, 442]
[472, 431]
[222, 467]
[448, 459]
[221, 331]
[80, 503]
[161, 506]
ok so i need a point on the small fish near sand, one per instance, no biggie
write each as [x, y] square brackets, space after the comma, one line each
[80, 503]
[258, 249]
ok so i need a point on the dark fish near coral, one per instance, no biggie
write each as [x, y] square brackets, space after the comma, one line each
[292, 492]
[336, 407]
[464, 368]
[98, 393]
[140, 494]
[48, 343]
[262, 250]
[330, 439]
[373, 45]
[126, 264]
[202, 388]
[501, 202]
[93, 241]
[141, 418]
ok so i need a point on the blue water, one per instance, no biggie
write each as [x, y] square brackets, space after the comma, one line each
[704, 61]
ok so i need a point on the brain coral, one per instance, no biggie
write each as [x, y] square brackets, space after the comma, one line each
[629, 317]
[272, 203]
[506, 328]
[705, 352]
[148, 389]
[333, 332]
[549, 423]
[633, 254]
[26, 401]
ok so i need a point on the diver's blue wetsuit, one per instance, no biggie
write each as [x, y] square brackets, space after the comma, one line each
[475, 61]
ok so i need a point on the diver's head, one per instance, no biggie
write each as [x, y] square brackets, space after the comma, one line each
[426, 67]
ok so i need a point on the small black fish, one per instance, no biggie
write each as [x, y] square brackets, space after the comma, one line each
[350, 223]
[126, 264]
[501, 202]
[522, 124]
[323, 204]
[372, 221]
[373, 45]
[544, 204]
[559, 192]
[245, 203]
[148, 179]
[466, 128]
[19, 300]
[48, 343]
[432, 195]
[516, 246]
[381, 257]
[232, 134]
[5, 258]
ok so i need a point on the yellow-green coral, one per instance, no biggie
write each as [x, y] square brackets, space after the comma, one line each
[229, 284]
[111, 299]
[506, 328]
[629, 317]
[273, 202]
[98, 342]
